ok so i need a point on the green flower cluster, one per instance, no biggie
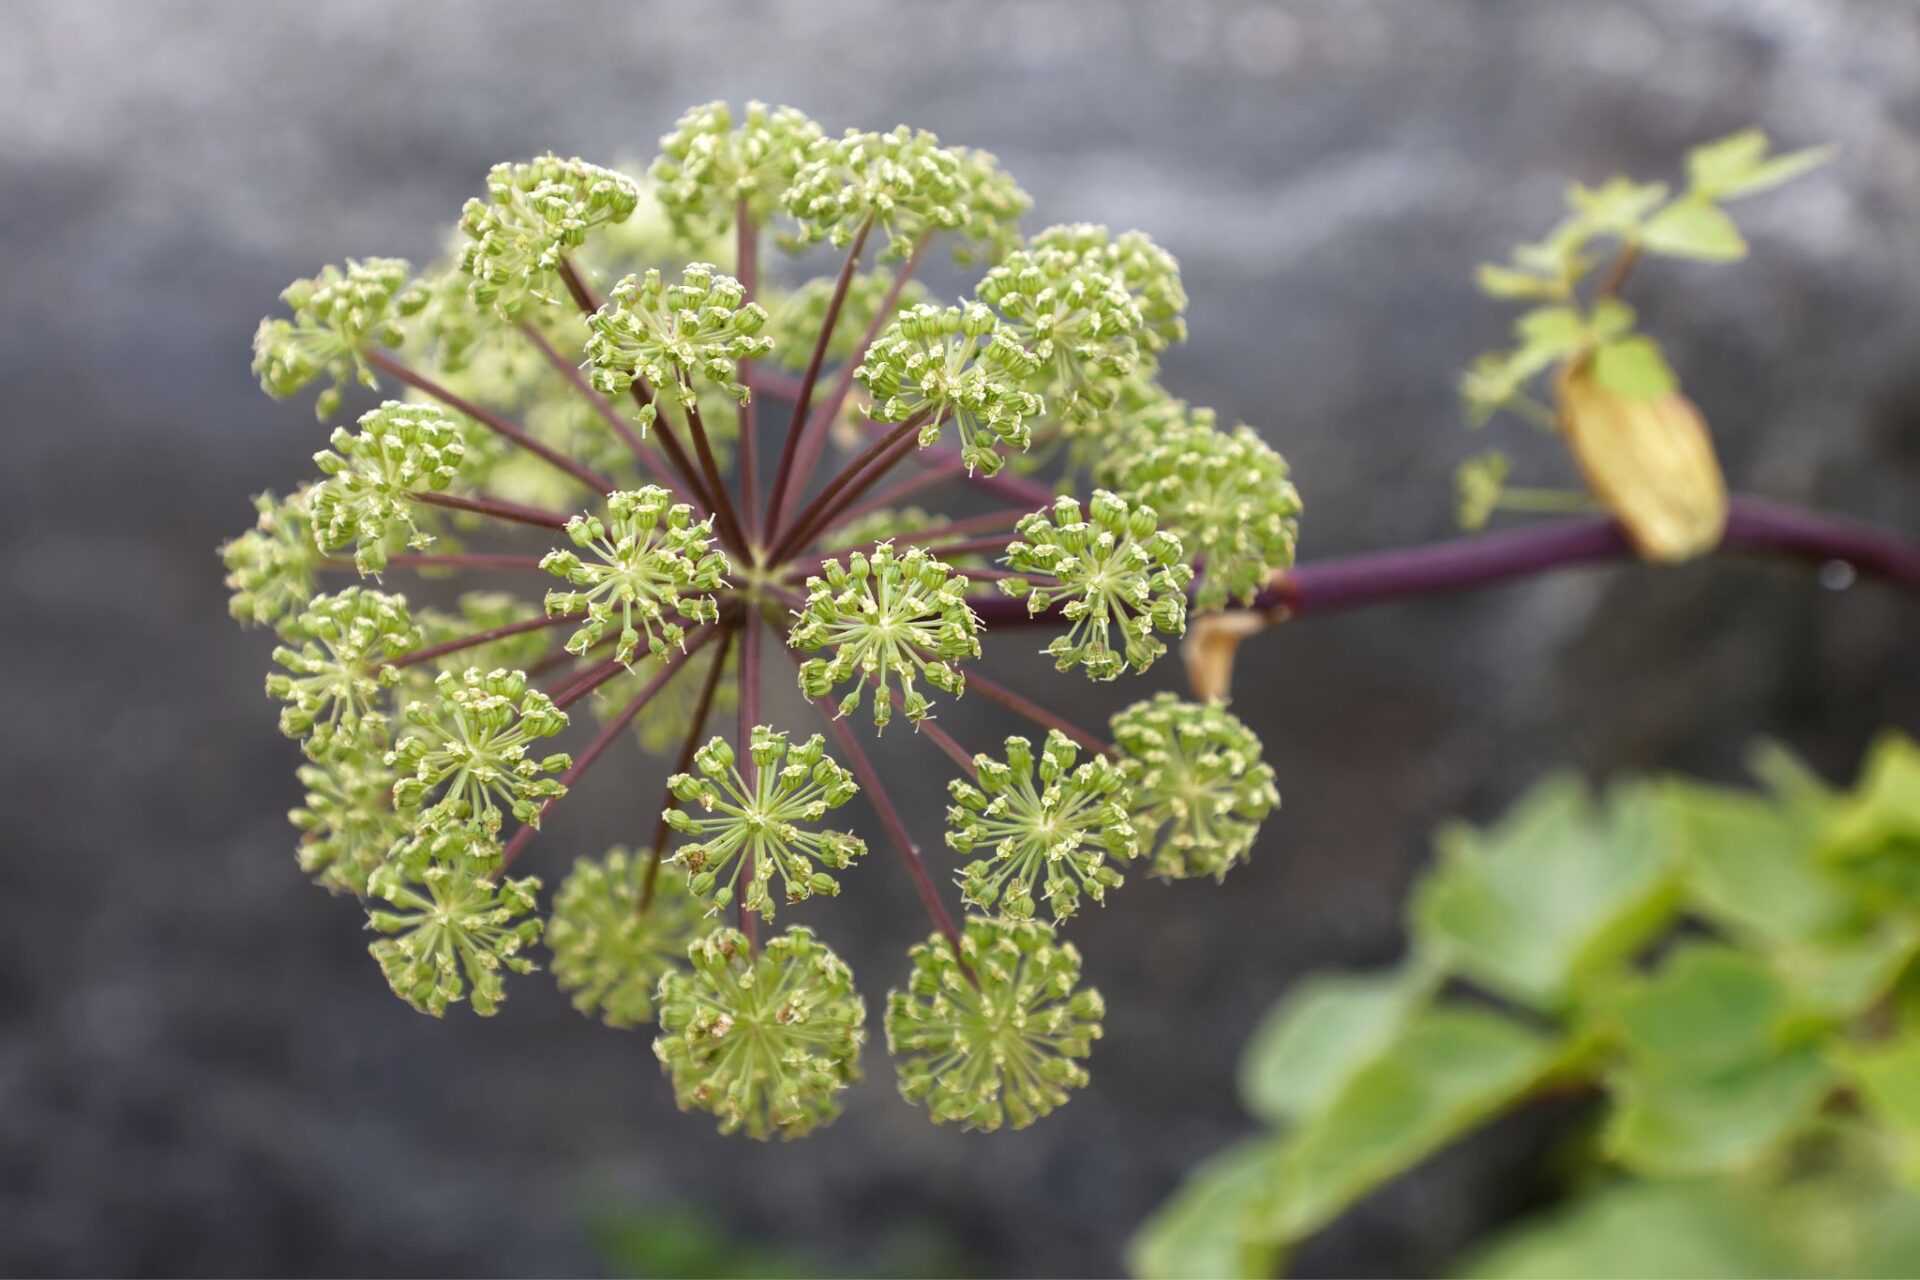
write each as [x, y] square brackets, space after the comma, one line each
[1049, 826]
[470, 744]
[754, 826]
[1197, 787]
[452, 926]
[607, 952]
[902, 181]
[957, 364]
[337, 315]
[641, 571]
[333, 675]
[995, 1032]
[1079, 326]
[271, 567]
[708, 167]
[663, 335]
[887, 618]
[765, 1042]
[1108, 568]
[367, 499]
[534, 215]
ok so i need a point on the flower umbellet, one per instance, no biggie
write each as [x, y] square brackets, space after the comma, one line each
[608, 383]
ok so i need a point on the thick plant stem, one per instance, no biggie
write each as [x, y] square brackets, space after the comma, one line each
[1754, 526]
[662, 829]
[869, 780]
[749, 770]
[998, 693]
[746, 263]
[858, 476]
[415, 657]
[587, 476]
[819, 423]
[803, 399]
[602, 740]
[644, 455]
[498, 509]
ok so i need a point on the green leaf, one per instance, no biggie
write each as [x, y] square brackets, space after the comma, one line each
[1550, 331]
[1504, 282]
[1554, 896]
[1888, 1079]
[1737, 165]
[1634, 367]
[1312, 1042]
[1201, 1230]
[1450, 1068]
[1616, 205]
[1635, 1229]
[1874, 836]
[1694, 229]
[1751, 864]
[1842, 977]
[1710, 1007]
[1676, 1126]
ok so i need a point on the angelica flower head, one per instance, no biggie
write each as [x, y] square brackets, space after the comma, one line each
[759, 822]
[708, 166]
[955, 364]
[1148, 273]
[367, 499]
[669, 334]
[887, 619]
[346, 820]
[997, 1032]
[649, 560]
[1108, 568]
[1078, 326]
[337, 316]
[271, 567]
[469, 745]
[1047, 827]
[764, 1041]
[1198, 789]
[607, 952]
[332, 671]
[534, 214]
[451, 926]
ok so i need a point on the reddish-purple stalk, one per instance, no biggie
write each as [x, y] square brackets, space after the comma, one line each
[498, 509]
[602, 740]
[749, 769]
[947, 529]
[446, 560]
[587, 476]
[854, 479]
[951, 466]
[941, 739]
[731, 531]
[876, 793]
[662, 829]
[819, 423]
[803, 398]
[414, 657]
[999, 694]
[746, 255]
[650, 461]
[578, 684]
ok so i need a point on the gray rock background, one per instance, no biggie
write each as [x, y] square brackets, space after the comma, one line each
[200, 1071]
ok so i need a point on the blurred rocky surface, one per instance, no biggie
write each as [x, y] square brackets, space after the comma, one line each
[200, 1071]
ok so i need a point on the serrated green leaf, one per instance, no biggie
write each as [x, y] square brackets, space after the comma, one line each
[1312, 1042]
[1200, 1232]
[1738, 165]
[1679, 1126]
[1694, 229]
[1634, 367]
[1709, 1007]
[1448, 1070]
[1841, 977]
[1751, 865]
[1554, 896]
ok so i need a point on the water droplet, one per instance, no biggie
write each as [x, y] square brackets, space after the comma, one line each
[1837, 575]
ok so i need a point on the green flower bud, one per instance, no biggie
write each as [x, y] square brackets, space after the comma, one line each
[792, 785]
[337, 315]
[452, 927]
[332, 675]
[887, 619]
[347, 824]
[1056, 828]
[1110, 569]
[708, 166]
[649, 559]
[534, 215]
[765, 1042]
[271, 567]
[672, 334]
[1077, 324]
[954, 364]
[607, 952]
[1198, 787]
[1003, 1046]
[372, 474]
[471, 738]
[1148, 273]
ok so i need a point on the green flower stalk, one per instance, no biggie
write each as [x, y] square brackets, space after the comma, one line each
[452, 928]
[1055, 829]
[955, 364]
[650, 560]
[668, 335]
[470, 745]
[1226, 496]
[1111, 568]
[765, 1042]
[347, 823]
[762, 822]
[609, 955]
[337, 316]
[888, 619]
[709, 167]
[1198, 789]
[271, 567]
[333, 674]
[535, 214]
[367, 499]
[1003, 1045]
